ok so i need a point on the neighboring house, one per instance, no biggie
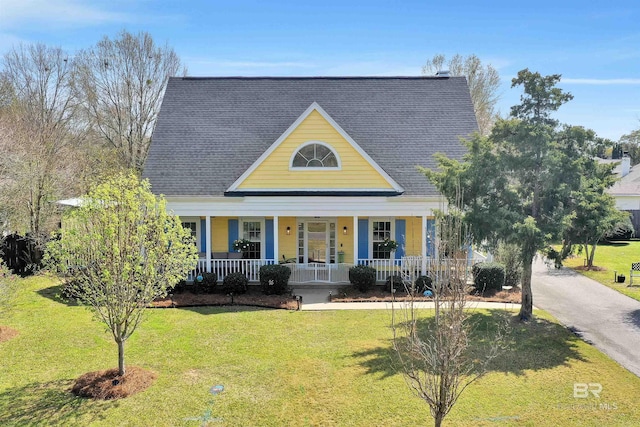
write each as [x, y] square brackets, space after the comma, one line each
[317, 171]
[627, 190]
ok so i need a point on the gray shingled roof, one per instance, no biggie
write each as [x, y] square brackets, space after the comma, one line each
[628, 185]
[210, 130]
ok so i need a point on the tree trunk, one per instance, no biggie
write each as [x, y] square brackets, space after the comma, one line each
[526, 307]
[438, 420]
[591, 255]
[120, 357]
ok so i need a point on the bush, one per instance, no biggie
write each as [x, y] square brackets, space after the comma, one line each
[362, 277]
[488, 276]
[209, 282]
[235, 283]
[179, 287]
[509, 255]
[394, 280]
[274, 279]
[424, 283]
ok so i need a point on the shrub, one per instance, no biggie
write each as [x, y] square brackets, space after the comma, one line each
[424, 283]
[274, 279]
[179, 287]
[235, 283]
[394, 281]
[209, 282]
[362, 277]
[509, 255]
[488, 276]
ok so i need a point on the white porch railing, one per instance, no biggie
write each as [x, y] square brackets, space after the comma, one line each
[316, 272]
[222, 267]
[328, 273]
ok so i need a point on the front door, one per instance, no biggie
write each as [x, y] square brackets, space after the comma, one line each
[316, 249]
[317, 243]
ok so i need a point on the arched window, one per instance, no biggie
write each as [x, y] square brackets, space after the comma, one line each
[315, 155]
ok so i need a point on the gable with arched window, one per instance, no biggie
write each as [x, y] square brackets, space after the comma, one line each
[314, 155]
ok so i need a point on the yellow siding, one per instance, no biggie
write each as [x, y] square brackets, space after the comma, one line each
[413, 238]
[345, 243]
[287, 243]
[274, 171]
[220, 234]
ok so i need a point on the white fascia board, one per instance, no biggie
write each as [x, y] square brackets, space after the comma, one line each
[306, 206]
[314, 106]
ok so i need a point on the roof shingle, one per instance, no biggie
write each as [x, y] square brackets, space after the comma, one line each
[210, 130]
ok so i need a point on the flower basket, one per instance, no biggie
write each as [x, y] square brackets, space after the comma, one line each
[241, 245]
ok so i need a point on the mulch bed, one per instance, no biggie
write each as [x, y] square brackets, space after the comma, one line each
[108, 385]
[253, 297]
[382, 295]
[6, 333]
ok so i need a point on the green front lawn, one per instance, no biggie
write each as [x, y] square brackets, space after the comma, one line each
[287, 368]
[609, 258]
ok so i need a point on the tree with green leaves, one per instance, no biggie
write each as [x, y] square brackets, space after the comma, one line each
[483, 81]
[121, 250]
[595, 212]
[630, 143]
[518, 182]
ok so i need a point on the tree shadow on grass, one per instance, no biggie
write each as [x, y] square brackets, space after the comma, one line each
[54, 293]
[49, 403]
[535, 345]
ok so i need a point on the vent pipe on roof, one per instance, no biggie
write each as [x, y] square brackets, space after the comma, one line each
[442, 73]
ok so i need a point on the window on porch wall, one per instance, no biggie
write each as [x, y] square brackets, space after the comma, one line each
[251, 230]
[192, 227]
[381, 231]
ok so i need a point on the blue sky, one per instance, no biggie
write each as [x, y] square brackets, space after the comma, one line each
[594, 45]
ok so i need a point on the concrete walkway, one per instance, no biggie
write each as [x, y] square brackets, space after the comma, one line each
[317, 298]
[601, 316]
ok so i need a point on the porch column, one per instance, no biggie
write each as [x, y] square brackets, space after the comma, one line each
[423, 268]
[276, 254]
[207, 228]
[355, 240]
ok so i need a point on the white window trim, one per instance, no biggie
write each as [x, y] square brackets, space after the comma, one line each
[393, 231]
[305, 168]
[197, 221]
[263, 231]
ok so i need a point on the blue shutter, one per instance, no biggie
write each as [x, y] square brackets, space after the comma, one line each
[363, 238]
[400, 237]
[203, 235]
[431, 237]
[233, 233]
[269, 250]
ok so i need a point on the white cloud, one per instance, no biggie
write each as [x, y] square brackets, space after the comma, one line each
[58, 13]
[602, 81]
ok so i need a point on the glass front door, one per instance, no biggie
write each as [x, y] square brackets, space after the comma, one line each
[316, 242]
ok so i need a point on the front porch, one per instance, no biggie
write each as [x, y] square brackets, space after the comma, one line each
[337, 273]
[319, 238]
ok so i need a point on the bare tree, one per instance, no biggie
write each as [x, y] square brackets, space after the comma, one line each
[121, 83]
[483, 80]
[434, 352]
[37, 134]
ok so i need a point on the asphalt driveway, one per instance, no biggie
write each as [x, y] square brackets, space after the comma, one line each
[601, 316]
